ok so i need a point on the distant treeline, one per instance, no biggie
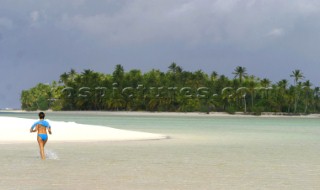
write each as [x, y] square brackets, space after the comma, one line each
[175, 91]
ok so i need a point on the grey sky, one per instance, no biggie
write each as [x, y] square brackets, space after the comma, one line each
[41, 39]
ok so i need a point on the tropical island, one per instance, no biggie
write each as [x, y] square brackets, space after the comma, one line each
[176, 90]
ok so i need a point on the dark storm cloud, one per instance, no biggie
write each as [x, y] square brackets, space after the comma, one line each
[39, 40]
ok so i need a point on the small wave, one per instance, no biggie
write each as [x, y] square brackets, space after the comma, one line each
[51, 155]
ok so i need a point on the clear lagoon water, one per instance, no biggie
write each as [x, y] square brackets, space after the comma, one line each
[204, 152]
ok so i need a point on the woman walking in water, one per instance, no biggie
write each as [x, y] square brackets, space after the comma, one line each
[42, 127]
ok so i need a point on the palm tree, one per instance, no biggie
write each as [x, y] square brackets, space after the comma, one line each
[133, 78]
[240, 72]
[174, 73]
[297, 75]
[118, 74]
[199, 78]
[316, 102]
[64, 78]
[156, 90]
[214, 76]
[307, 89]
[25, 100]
[116, 103]
[72, 74]
[227, 95]
[251, 89]
[173, 67]
[265, 82]
[242, 92]
[282, 87]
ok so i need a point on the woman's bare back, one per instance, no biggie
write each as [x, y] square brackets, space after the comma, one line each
[41, 129]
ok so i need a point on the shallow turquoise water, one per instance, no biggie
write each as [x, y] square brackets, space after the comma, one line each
[204, 152]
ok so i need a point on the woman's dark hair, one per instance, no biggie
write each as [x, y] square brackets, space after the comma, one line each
[41, 115]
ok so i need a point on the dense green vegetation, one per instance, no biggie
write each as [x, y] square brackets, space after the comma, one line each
[175, 90]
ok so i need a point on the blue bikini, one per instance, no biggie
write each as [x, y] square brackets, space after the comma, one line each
[44, 137]
[44, 123]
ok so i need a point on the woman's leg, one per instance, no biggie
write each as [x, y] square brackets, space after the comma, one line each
[41, 146]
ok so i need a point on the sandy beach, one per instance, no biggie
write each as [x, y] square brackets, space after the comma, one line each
[104, 150]
[16, 130]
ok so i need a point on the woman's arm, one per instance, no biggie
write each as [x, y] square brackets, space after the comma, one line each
[33, 129]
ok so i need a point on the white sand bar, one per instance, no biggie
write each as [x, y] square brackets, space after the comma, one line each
[17, 130]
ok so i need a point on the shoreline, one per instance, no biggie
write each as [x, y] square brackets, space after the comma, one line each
[16, 130]
[187, 114]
